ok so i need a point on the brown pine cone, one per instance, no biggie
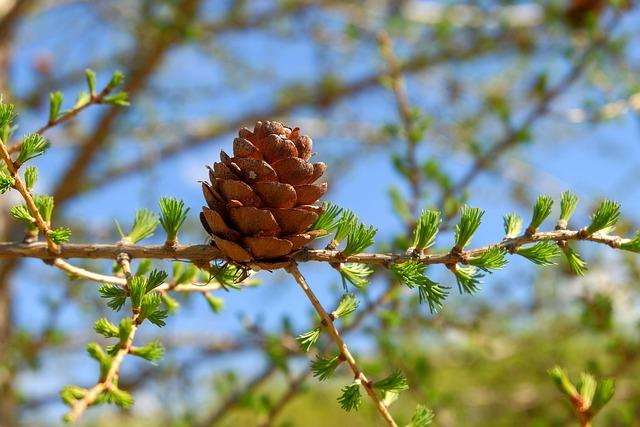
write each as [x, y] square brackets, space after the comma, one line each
[260, 202]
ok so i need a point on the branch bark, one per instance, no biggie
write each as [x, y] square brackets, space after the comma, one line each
[206, 253]
[327, 322]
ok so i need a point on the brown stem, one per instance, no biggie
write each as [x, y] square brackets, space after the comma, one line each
[79, 406]
[120, 281]
[342, 346]
[206, 253]
[93, 100]
[28, 199]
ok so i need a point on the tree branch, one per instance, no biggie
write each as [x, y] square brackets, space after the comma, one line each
[93, 100]
[327, 322]
[206, 253]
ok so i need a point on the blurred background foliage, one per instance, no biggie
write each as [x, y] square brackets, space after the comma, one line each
[504, 101]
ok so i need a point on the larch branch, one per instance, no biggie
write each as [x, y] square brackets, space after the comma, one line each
[327, 321]
[207, 253]
[79, 406]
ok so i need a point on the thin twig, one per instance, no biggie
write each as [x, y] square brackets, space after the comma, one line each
[120, 281]
[327, 321]
[28, 199]
[79, 406]
[296, 383]
[93, 100]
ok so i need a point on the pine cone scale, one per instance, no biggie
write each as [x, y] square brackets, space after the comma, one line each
[277, 194]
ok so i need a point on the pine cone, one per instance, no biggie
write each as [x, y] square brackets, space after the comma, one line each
[261, 200]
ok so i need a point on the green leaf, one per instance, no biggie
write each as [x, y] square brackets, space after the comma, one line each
[60, 235]
[172, 216]
[576, 263]
[356, 274]
[125, 330]
[323, 368]
[155, 279]
[96, 352]
[30, 177]
[216, 304]
[90, 75]
[350, 398]
[6, 181]
[170, 303]
[603, 394]
[422, 417]
[542, 253]
[541, 210]
[21, 213]
[55, 103]
[348, 304]
[560, 378]
[411, 273]
[227, 275]
[114, 294]
[182, 274]
[153, 352]
[120, 99]
[116, 397]
[105, 328]
[469, 223]
[587, 388]
[632, 245]
[150, 309]
[345, 225]
[71, 393]
[468, 279]
[568, 203]
[82, 100]
[33, 145]
[116, 80]
[394, 383]
[359, 238]
[7, 115]
[512, 225]
[144, 225]
[491, 259]
[426, 230]
[605, 217]
[308, 339]
[45, 204]
[137, 290]
[328, 219]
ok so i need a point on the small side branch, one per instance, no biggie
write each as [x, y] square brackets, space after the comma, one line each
[121, 281]
[28, 199]
[95, 99]
[109, 380]
[327, 322]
